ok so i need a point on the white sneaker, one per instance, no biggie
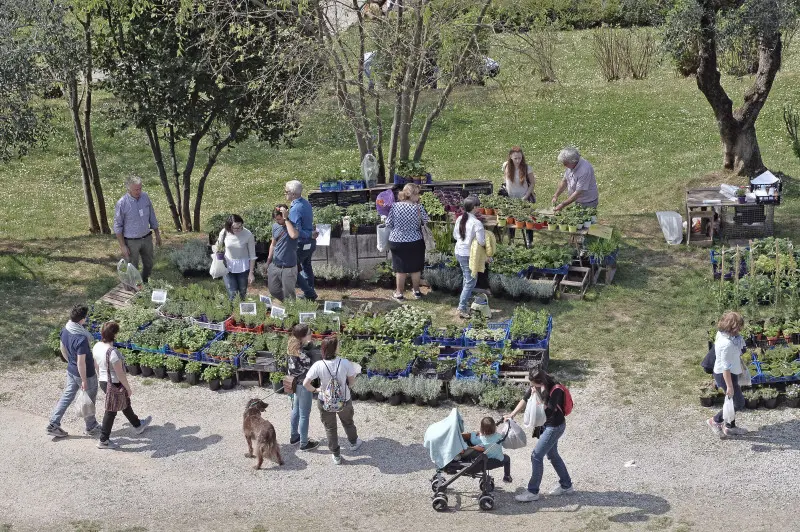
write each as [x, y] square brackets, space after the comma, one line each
[143, 424]
[357, 445]
[716, 428]
[337, 460]
[558, 490]
[108, 444]
[527, 497]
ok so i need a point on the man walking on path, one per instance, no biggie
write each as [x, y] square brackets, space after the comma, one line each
[81, 372]
[134, 218]
[302, 217]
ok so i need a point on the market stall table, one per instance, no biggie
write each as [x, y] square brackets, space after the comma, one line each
[737, 220]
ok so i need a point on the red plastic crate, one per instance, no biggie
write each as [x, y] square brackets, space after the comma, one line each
[230, 327]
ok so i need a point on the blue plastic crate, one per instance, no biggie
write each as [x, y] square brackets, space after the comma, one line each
[97, 336]
[608, 260]
[354, 185]
[196, 355]
[563, 270]
[330, 186]
[523, 274]
[467, 374]
[161, 350]
[391, 374]
[533, 343]
[497, 344]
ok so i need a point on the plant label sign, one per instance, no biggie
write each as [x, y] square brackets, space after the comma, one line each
[277, 312]
[159, 296]
[332, 307]
[306, 317]
[266, 300]
[324, 237]
[247, 308]
[601, 231]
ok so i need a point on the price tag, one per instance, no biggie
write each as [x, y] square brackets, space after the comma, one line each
[277, 312]
[159, 296]
[601, 231]
[247, 308]
[266, 300]
[306, 317]
[332, 306]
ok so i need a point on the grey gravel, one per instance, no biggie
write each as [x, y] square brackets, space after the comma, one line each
[188, 470]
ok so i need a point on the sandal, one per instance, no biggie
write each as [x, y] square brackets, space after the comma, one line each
[418, 294]
[398, 297]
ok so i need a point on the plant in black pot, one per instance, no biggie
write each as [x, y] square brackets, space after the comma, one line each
[376, 385]
[332, 215]
[360, 390]
[211, 376]
[751, 398]
[392, 390]
[132, 360]
[227, 374]
[158, 362]
[276, 378]
[430, 389]
[707, 393]
[146, 363]
[174, 369]
[769, 397]
[193, 370]
[409, 388]
[793, 395]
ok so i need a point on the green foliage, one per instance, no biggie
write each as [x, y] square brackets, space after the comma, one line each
[259, 221]
[153, 360]
[501, 397]
[53, 342]
[226, 371]
[131, 357]
[769, 393]
[392, 357]
[467, 388]
[363, 214]
[276, 377]
[193, 255]
[432, 205]
[330, 214]
[174, 363]
[223, 349]
[529, 324]
[411, 169]
[325, 324]
[193, 367]
[793, 391]
[210, 373]
[406, 322]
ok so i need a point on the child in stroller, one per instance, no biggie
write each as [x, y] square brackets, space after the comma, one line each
[466, 454]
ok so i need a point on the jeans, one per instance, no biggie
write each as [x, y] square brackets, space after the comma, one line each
[71, 389]
[301, 411]
[548, 446]
[305, 275]
[738, 398]
[236, 283]
[109, 417]
[469, 283]
[329, 421]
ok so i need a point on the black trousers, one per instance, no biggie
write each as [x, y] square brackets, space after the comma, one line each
[109, 417]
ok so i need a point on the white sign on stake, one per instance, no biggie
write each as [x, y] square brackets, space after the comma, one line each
[247, 308]
[266, 300]
[159, 296]
[306, 317]
[277, 312]
[331, 306]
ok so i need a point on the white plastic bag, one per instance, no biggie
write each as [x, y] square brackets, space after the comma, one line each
[84, 406]
[369, 170]
[218, 268]
[744, 377]
[728, 411]
[534, 412]
[671, 225]
[383, 238]
[128, 274]
[516, 439]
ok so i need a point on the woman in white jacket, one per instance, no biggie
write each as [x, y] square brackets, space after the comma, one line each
[728, 346]
[467, 229]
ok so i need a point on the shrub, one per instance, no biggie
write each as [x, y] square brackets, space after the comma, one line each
[193, 367]
[174, 364]
[210, 373]
[192, 256]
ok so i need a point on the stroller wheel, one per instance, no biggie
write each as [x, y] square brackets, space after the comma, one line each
[486, 502]
[436, 482]
[487, 485]
[440, 502]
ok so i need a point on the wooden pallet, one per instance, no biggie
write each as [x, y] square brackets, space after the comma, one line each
[119, 296]
[577, 280]
[608, 277]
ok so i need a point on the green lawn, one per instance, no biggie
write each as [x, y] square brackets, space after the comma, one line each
[648, 141]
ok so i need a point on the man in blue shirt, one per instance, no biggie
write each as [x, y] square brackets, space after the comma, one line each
[81, 372]
[302, 217]
[134, 218]
[282, 259]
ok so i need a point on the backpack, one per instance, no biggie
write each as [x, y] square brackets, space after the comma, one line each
[709, 360]
[568, 404]
[333, 396]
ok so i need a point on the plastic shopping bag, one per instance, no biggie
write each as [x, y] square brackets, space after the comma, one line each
[728, 411]
[84, 406]
[384, 202]
[516, 438]
[534, 412]
[744, 377]
[369, 170]
[218, 268]
[383, 238]
[129, 275]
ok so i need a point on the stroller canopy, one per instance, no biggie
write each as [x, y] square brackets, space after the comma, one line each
[443, 439]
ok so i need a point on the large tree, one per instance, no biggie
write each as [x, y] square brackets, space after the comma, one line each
[202, 76]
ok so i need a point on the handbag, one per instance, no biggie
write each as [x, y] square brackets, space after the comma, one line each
[290, 383]
[116, 394]
[427, 234]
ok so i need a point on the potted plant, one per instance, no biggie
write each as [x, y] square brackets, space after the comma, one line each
[751, 398]
[330, 214]
[772, 333]
[411, 172]
[467, 390]
[740, 194]
[145, 362]
[377, 388]
[793, 395]
[211, 376]
[158, 362]
[276, 378]
[411, 387]
[707, 393]
[361, 388]
[430, 389]
[392, 390]
[132, 359]
[193, 370]
[769, 397]
[227, 374]
[174, 369]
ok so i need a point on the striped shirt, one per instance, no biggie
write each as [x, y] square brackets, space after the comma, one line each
[134, 218]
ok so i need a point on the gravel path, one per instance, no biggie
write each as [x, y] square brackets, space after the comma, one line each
[188, 471]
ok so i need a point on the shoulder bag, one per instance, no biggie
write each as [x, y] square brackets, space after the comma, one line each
[427, 235]
[116, 394]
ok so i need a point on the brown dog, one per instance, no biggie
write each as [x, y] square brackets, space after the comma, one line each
[259, 429]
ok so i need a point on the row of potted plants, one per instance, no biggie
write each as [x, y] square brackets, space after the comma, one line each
[754, 397]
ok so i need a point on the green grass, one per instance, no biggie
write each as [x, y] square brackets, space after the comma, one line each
[648, 140]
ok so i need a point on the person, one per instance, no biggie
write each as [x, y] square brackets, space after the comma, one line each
[302, 217]
[405, 221]
[240, 256]
[467, 229]
[333, 367]
[81, 372]
[552, 396]
[728, 347]
[134, 224]
[488, 438]
[519, 182]
[302, 354]
[283, 255]
[111, 370]
[578, 181]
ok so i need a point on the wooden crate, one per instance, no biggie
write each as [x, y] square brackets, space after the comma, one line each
[575, 283]
[119, 296]
[608, 273]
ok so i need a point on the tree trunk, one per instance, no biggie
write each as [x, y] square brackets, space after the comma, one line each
[201, 183]
[173, 159]
[741, 152]
[155, 148]
[186, 193]
[409, 77]
[74, 107]
[379, 143]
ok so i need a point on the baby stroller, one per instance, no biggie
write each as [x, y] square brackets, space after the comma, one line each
[453, 456]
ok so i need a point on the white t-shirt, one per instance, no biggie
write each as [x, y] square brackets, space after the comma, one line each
[515, 188]
[474, 230]
[99, 354]
[339, 367]
[729, 353]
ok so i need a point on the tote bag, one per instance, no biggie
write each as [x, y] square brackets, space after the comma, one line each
[427, 234]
